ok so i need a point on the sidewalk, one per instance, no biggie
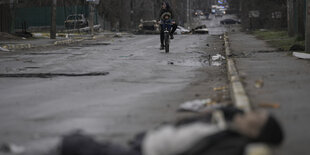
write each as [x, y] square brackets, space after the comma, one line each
[46, 42]
[277, 81]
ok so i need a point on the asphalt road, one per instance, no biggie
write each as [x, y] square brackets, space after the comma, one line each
[142, 90]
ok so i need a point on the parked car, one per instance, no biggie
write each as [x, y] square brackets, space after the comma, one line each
[148, 27]
[219, 13]
[202, 29]
[198, 13]
[229, 21]
[76, 21]
[182, 30]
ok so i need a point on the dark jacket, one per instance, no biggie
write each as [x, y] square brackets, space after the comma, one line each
[168, 9]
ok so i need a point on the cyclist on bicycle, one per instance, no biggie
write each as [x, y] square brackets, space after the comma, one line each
[164, 10]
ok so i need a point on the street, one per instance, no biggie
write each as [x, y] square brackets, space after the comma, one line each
[143, 88]
[88, 77]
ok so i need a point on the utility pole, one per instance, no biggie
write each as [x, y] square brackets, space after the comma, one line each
[307, 42]
[53, 20]
[188, 4]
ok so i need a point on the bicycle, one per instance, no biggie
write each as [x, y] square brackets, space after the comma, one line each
[167, 25]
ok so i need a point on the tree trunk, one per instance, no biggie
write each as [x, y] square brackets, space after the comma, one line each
[301, 18]
[125, 15]
[307, 42]
[290, 16]
[53, 20]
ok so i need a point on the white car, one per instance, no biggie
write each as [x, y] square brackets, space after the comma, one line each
[182, 30]
[202, 29]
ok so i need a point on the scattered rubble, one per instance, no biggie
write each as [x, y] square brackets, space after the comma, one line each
[199, 105]
[118, 35]
[4, 49]
[269, 105]
[220, 88]
[170, 63]
[259, 83]
[218, 57]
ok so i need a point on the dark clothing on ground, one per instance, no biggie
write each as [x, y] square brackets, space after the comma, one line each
[80, 144]
[223, 143]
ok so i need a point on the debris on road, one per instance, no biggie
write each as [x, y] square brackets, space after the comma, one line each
[301, 55]
[218, 57]
[170, 63]
[259, 83]
[4, 49]
[220, 88]
[269, 105]
[118, 35]
[199, 105]
[130, 55]
[216, 63]
[12, 148]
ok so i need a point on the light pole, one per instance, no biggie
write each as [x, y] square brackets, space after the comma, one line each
[188, 5]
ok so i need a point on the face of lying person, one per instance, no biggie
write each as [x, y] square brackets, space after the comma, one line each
[251, 123]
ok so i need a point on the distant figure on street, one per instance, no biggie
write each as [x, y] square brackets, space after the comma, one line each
[165, 8]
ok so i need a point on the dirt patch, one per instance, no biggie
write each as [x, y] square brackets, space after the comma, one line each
[6, 36]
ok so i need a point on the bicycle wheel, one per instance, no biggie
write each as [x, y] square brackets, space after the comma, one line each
[167, 43]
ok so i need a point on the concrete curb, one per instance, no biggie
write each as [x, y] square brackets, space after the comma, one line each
[17, 46]
[68, 42]
[238, 94]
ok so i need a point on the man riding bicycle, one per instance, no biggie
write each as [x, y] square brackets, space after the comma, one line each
[166, 9]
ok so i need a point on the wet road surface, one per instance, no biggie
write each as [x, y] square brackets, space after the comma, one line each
[142, 89]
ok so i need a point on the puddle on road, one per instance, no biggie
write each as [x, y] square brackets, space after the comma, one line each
[192, 63]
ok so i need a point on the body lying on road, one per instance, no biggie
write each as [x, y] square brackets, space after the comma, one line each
[192, 136]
